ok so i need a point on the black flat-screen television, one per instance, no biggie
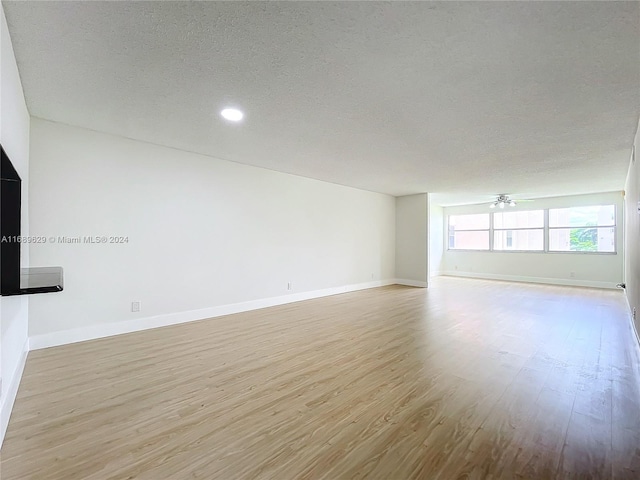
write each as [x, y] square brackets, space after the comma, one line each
[10, 211]
[13, 279]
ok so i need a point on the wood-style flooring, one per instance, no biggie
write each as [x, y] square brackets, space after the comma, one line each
[467, 379]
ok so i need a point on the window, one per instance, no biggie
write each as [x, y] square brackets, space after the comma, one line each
[589, 229]
[582, 229]
[469, 232]
[518, 230]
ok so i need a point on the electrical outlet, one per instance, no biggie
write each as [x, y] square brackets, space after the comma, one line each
[371, 275]
[634, 314]
[572, 274]
[135, 306]
[289, 285]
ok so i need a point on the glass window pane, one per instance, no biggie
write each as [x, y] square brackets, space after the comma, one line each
[469, 240]
[525, 219]
[601, 239]
[597, 216]
[478, 221]
[518, 240]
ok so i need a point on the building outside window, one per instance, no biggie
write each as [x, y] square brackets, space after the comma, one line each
[582, 229]
[469, 232]
[573, 229]
[523, 230]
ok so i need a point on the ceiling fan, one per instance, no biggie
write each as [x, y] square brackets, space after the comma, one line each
[503, 200]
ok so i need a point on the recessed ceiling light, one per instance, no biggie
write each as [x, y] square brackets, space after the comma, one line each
[232, 114]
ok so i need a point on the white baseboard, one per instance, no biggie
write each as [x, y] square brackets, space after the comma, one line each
[12, 392]
[411, 283]
[573, 282]
[93, 332]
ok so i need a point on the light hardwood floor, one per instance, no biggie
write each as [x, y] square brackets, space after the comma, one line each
[468, 379]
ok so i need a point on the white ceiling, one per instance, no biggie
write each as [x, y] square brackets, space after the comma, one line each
[466, 99]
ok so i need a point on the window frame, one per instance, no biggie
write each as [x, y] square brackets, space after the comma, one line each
[546, 232]
[494, 230]
[614, 225]
[488, 230]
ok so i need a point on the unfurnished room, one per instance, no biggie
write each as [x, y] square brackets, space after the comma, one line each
[319, 240]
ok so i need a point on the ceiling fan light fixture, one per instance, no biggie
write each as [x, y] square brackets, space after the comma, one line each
[503, 200]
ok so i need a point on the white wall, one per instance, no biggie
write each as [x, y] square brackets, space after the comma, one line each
[632, 233]
[412, 212]
[597, 270]
[14, 136]
[436, 238]
[202, 233]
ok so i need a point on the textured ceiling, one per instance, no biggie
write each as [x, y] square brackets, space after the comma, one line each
[464, 99]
